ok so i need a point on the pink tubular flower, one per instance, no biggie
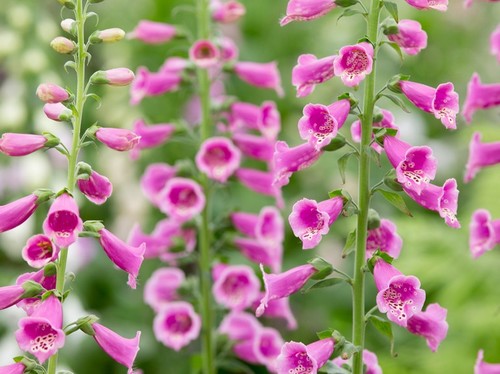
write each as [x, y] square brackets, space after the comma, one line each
[41, 333]
[411, 38]
[260, 182]
[484, 233]
[113, 77]
[10, 295]
[39, 251]
[385, 239]
[117, 139]
[263, 75]
[124, 256]
[267, 346]
[153, 32]
[441, 5]
[480, 155]
[63, 222]
[320, 123]
[260, 252]
[468, 3]
[386, 122]
[151, 135]
[227, 12]
[51, 93]
[265, 119]
[97, 188]
[495, 42]
[369, 360]
[482, 367]
[120, 349]
[278, 286]
[306, 10]
[218, 158]
[17, 368]
[176, 325]
[16, 212]
[21, 144]
[253, 146]
[228, 49]
[311, 71]
[311, 220]
[441, 101]
[148, 84]
[430, 324]
[354, 63]
[235, 287]
[162, 287]
[279, 308]
[480, 96]
[181, 198]
[57, 112]
[267, 226]
[204, 54]
[399, 296]
[242, 328]
[47, 282]
[296, 357]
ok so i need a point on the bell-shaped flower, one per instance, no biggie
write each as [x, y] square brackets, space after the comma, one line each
[63, 222]
[384, 238]
[399, 296]
[120, 349]
[369, 360]
[495, 42]
[117, 139]
[278, 286]
[261, 182]
[265, 119]
[10, 295]
[218, 158]
[228, 49]
[387, 122]
[311, 71]
[181, 199]
[15, 213]
[296, 357]
[242, 328]
[148, 84]
[228, 11]
[254, 146]
[153, 32]
[41, 333]
[306, 10]
[354, 63]
[151, 136]
[320, 123]
[262, 75]
[480, 96]
[236, 287]
[311, 220]
[430, 324]
[176, 325]
[288, 160]
[484, 233]
[161, 288]
[57, 112]
[204, 54]
[410, 37]
[48, 282]
[39, 251]
[17, 368]
[279, 308]
[267, 226]
[480, 155]
[261, 252]
[154, 179]
[441, 101]
[21, 144]
[482, 367]
[267, 347]
[51, 93]
[441, 5]
[126, 257]
[97, 188]
[415, 166]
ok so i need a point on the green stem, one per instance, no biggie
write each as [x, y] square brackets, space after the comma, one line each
[358, 328]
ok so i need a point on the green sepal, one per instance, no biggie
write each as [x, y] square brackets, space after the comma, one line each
[391, 181]
[323, 268]
[50, 269]
[52, 140]
[43, 195]
[373, 219]
[83, 170]
[346, 3]
[393, 83]
[335, 144]
[31, 289]
[93, 226]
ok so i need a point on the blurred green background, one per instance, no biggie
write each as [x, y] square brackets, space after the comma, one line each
[438, 255]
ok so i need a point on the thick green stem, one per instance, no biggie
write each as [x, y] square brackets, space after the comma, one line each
[358, 328]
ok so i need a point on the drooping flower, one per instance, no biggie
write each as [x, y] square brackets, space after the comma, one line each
[218, 158]
[235, 286]
[48, 282]
[261, 252]
[227, 12]
[97, 188]
[51, 93]
[257, 147]
[57, 112]
[246, 116]
[267, 226]
[354, 63]
[16, 212]
[495, 42]
[204, 54]
[369, 360]
[296, 357]
[410, 37]
[263, 75]
[10, 295]
[441, 5]
[311, 71]
[311, 220]
[480, 155]
[399, 296]
[480, 96]
[306, 10]
[176, 325]
[39, 251]
[387, 121]
[150, 135]
[117, 139]
[228, 49]
[153, 32]
[430, 324]
[182, 199]
[482, 367]
[161, 287]
[154, 179]
[242, 328]
[63, 222]
[484, 233]
[21, 144]
[113, 77]
[17, 368]
[260, 182]
[279, 308]
[384, 238]
[267, 346]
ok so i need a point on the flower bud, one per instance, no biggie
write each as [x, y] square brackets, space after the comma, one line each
[67, 3]
[69, 25]
[51, 93]
[373, 219]
[57, 112]
[63, 45]
[107, 36]
[113, 77]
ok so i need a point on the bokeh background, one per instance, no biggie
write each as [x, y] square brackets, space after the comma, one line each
[438, 255]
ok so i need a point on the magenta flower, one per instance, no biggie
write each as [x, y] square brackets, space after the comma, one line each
[153, 32]
[150, 135]
[482, 367]
[306, 10]
[354, 63]
[384, 238]
[480, 96]
[311, 71]
[288, 160]
[242, 328]
[441, 101]
[117, 139]
[57, 112]
[154, 179]
[227, 12]
[120, 349]
[320, 123]
[17, 368]
[410, 37]
[267, 226]
[279, 308]
[162, 287]
[228, 49]
[39, 251]
[218, 158]
[10, 295]
[495, 42]
[311, 220]
[51, 93]
[97, 188]
[265, 119]
[253, 146]
[113, 77]
[16, 212]
[124, 256]
[441, 5]
[399, 296]
[261, 252]
[63, 222]
[484, 233]
[181, 199]
[235, 287]
[260, 182]
[21, 144]
[296, 357]
[147, 84]
[386, 122]
[369, 360]
[430, 324]
[468, 3]
[263, 75]
[47, 282]
[41, 333]
[176, 325]
[267, 347]
[480, 155]
[204, 54]
[278, 286]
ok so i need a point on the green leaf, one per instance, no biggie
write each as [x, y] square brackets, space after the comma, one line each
[396, 48]
[330, 282]
[346, 3]
[351, 12]
[234, 366]
[342, 163]
[392, 8]
[374, 155]
[385, 328]
[396, 200]
[349, 244]
[336, 143]
[396, 100]
[331, 368]
[325, 334]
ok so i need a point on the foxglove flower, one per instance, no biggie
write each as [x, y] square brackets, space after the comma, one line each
[41, 333]
[480, 96]
[441, 101]
[260, 182]
[63, 45]
[430, 324]
[484, 233]
[267, 226]
[242, 328]
[267, 347]
[181, 199]
[39, 251]
[10, 295]
[176, 325]
[354, 63]
[495, 42]
[124, 256]
[265, 119]
[279, 308]
[204, 54]
[97, 188]
[311, 220]
[468, 3]
[384, 238]
[410, 37]
[63, 222]
[320, 123]
[415, 166]
[57, 112]
[111, 35]
[18, 211]
[113, 77]
[154, 179]
[148, 84]
[48, 282]
[253, 146]
[117, 139]
[228, 49]
[120, 349]
[235, 287]
[218, 158]
[306, 10]
[441, 5]
[481, 155]
[399, 296]
[150, 135]
[162, 287]
[17, 368]
[311, 71]
[482, 367]
[278, 286]
[369, 360]
[51, 93]
[296, 357]
[21, 144]
[153, 32]
[387, 121]
[261, 252]
[263, 75]
[227, 12]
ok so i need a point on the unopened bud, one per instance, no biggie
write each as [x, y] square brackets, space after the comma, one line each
[107, 36]
[69, 25]
[57, 112]
[67, 3]
[373, 219]
[63, 45]
[51, 93]
[113, 77]
[31, 289]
